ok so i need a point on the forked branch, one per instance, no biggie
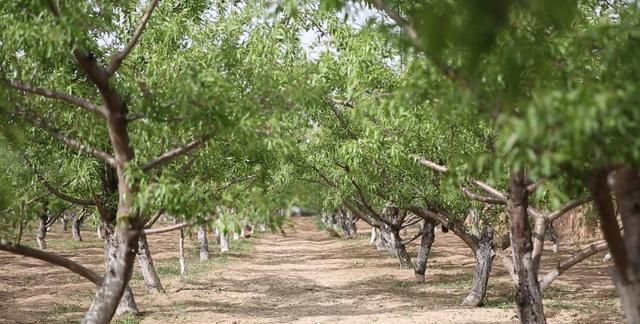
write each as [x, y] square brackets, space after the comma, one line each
[119, 57]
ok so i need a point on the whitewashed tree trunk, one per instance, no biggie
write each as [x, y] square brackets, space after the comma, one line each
[236, 236]
[203, 243]
[42, 234]
[224, 242]
[374, 235]
[183, 265]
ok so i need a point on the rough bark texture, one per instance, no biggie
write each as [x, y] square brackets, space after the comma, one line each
[148, 269]
[203, 243]
[428, 236]
[42, 233]
[626, 187]
[484, 257]
[393, 243]
[115, 296]
[527, 297]
[347, 222]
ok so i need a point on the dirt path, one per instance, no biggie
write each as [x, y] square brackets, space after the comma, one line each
[304, 277]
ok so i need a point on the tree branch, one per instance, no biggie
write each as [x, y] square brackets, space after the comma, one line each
[69, 141]
[76, 101]
[487, 200]
[563, 266]
[174, 153]
[568, 207]
[154, 218]
[52, 259]
[164, 229]
[119, 57]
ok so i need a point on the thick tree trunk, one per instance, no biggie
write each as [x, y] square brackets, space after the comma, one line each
[347, 222]
[148, 269]
[484, 257]
[528, 297]
[374, 236]
[203, 243]
[224, 242]
[75, 229]
[393, 243]
[42, 234]
[183, 265]
[626, 275]
[428, 235]
[115, 296]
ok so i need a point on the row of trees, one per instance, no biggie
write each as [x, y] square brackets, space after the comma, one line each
[216, 112]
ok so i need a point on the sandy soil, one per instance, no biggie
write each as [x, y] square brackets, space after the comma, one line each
[304, 277]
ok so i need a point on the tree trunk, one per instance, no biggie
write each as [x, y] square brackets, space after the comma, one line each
[626, 187]
[374, 236]
[236, 236]
[528, 297]
[484, 257]
[347, 222]
[42, 233]
[75, 229]
[224, 242]
[393, 243]
[65, 223]
[203, 243]
[183, 265]
[148, 269]
[428, 235]
[115, 296]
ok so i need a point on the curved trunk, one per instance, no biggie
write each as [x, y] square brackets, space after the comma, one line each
[528, 297]
[484, 257]
[428, 236]
[120, 248]
[42, 234]
[149, 274]
[203, 243]
[75, 229]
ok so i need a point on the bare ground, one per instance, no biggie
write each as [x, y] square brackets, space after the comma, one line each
[303, 277]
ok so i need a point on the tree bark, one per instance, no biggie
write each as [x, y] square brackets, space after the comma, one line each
[114, 295]
[42, 233]
[527, 297]
[428, 236]
[224, 242]
[484, 257]
[75, 228]
[347, 222]
[393, 243]
[148, 269]
[626, 188]
[183, 265]
[203, 243]
[374, 236]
